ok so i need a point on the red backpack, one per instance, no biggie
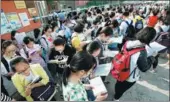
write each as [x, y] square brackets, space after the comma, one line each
[121, 64]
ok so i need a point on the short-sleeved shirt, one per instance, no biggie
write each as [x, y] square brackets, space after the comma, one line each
[76, 42]
[74, 92]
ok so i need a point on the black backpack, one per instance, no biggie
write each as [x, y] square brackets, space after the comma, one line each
[130, 32]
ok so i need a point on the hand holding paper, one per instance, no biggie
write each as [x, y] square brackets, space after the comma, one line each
[98, 85]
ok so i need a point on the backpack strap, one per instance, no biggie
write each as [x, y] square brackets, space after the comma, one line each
[26, 52]
[3, 60]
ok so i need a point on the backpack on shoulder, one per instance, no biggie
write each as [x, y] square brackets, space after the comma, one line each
[130, 32]
[138, 25]
[121, 63]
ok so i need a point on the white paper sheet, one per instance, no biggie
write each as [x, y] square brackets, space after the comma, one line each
[117, 39]
[109, 53]
[19, 37]
[154, 47]
[103, 69]
[98, 85]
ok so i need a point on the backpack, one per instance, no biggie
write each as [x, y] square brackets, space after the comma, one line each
[130, 32]
[138, 24]
[43, 93]
[121, 64]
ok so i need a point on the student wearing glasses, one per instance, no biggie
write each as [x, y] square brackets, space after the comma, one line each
[8, 52]
[24, 75]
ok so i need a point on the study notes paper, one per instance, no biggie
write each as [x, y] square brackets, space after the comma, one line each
[117, 39]
[109, 53]
[98, 85]
[103, 69]
[154, 47]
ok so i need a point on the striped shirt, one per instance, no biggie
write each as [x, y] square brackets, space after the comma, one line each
[5, 97]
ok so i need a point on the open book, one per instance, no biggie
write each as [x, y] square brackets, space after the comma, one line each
[98, 85]
[103, 69]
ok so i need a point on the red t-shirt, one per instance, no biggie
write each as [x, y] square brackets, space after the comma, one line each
[152, 21]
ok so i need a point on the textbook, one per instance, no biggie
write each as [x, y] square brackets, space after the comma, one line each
[103, 69]
[98, 85]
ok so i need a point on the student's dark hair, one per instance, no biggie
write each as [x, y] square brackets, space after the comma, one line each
[46, 28]
[146, 35]
[112, 14]
[98, 11]
[17, 60]
[6, 44]
[96, 21]
[126, 14]
[108, 31]
[79, 28]
[54, 24]
[36, 32]
[89, 14]
[13, 34]
[93, 46]
[155, 12]
[27, 40]
[115, 23]
[59, 41]
[81, 61]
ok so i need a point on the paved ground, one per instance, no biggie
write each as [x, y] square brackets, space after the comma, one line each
[151, 87]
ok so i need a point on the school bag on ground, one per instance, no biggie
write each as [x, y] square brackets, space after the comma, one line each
[121, 64]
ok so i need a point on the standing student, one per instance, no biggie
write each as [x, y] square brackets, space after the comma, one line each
[8, 53]
[37, 35]
[76, 40]
[139, 61]
[61, 52]
[103, 36]
[153, 19]
[55, 30]
[46, 41]
[25, 73]
[80, 67]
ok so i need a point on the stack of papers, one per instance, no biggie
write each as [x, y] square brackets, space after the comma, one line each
[98, 85]
[117, 39]
[103, 69]
[154, 47]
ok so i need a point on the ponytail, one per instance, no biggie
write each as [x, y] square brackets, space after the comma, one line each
[66, 74]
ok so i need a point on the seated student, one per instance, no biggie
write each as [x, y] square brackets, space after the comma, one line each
[61, 52]
[80, 67]
[24, 75]
[139, 59]
[8, 52]
[76, 41]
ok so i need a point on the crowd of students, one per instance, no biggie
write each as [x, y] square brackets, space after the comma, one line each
[75, 45]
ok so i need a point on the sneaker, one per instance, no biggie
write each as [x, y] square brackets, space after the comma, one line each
[153, 71]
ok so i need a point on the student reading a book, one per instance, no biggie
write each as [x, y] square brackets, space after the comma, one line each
[25, 74]
[80, 67]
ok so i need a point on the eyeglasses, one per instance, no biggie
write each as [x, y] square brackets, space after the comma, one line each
[24, 71]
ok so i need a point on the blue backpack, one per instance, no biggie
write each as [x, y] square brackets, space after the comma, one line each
[139, 24]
